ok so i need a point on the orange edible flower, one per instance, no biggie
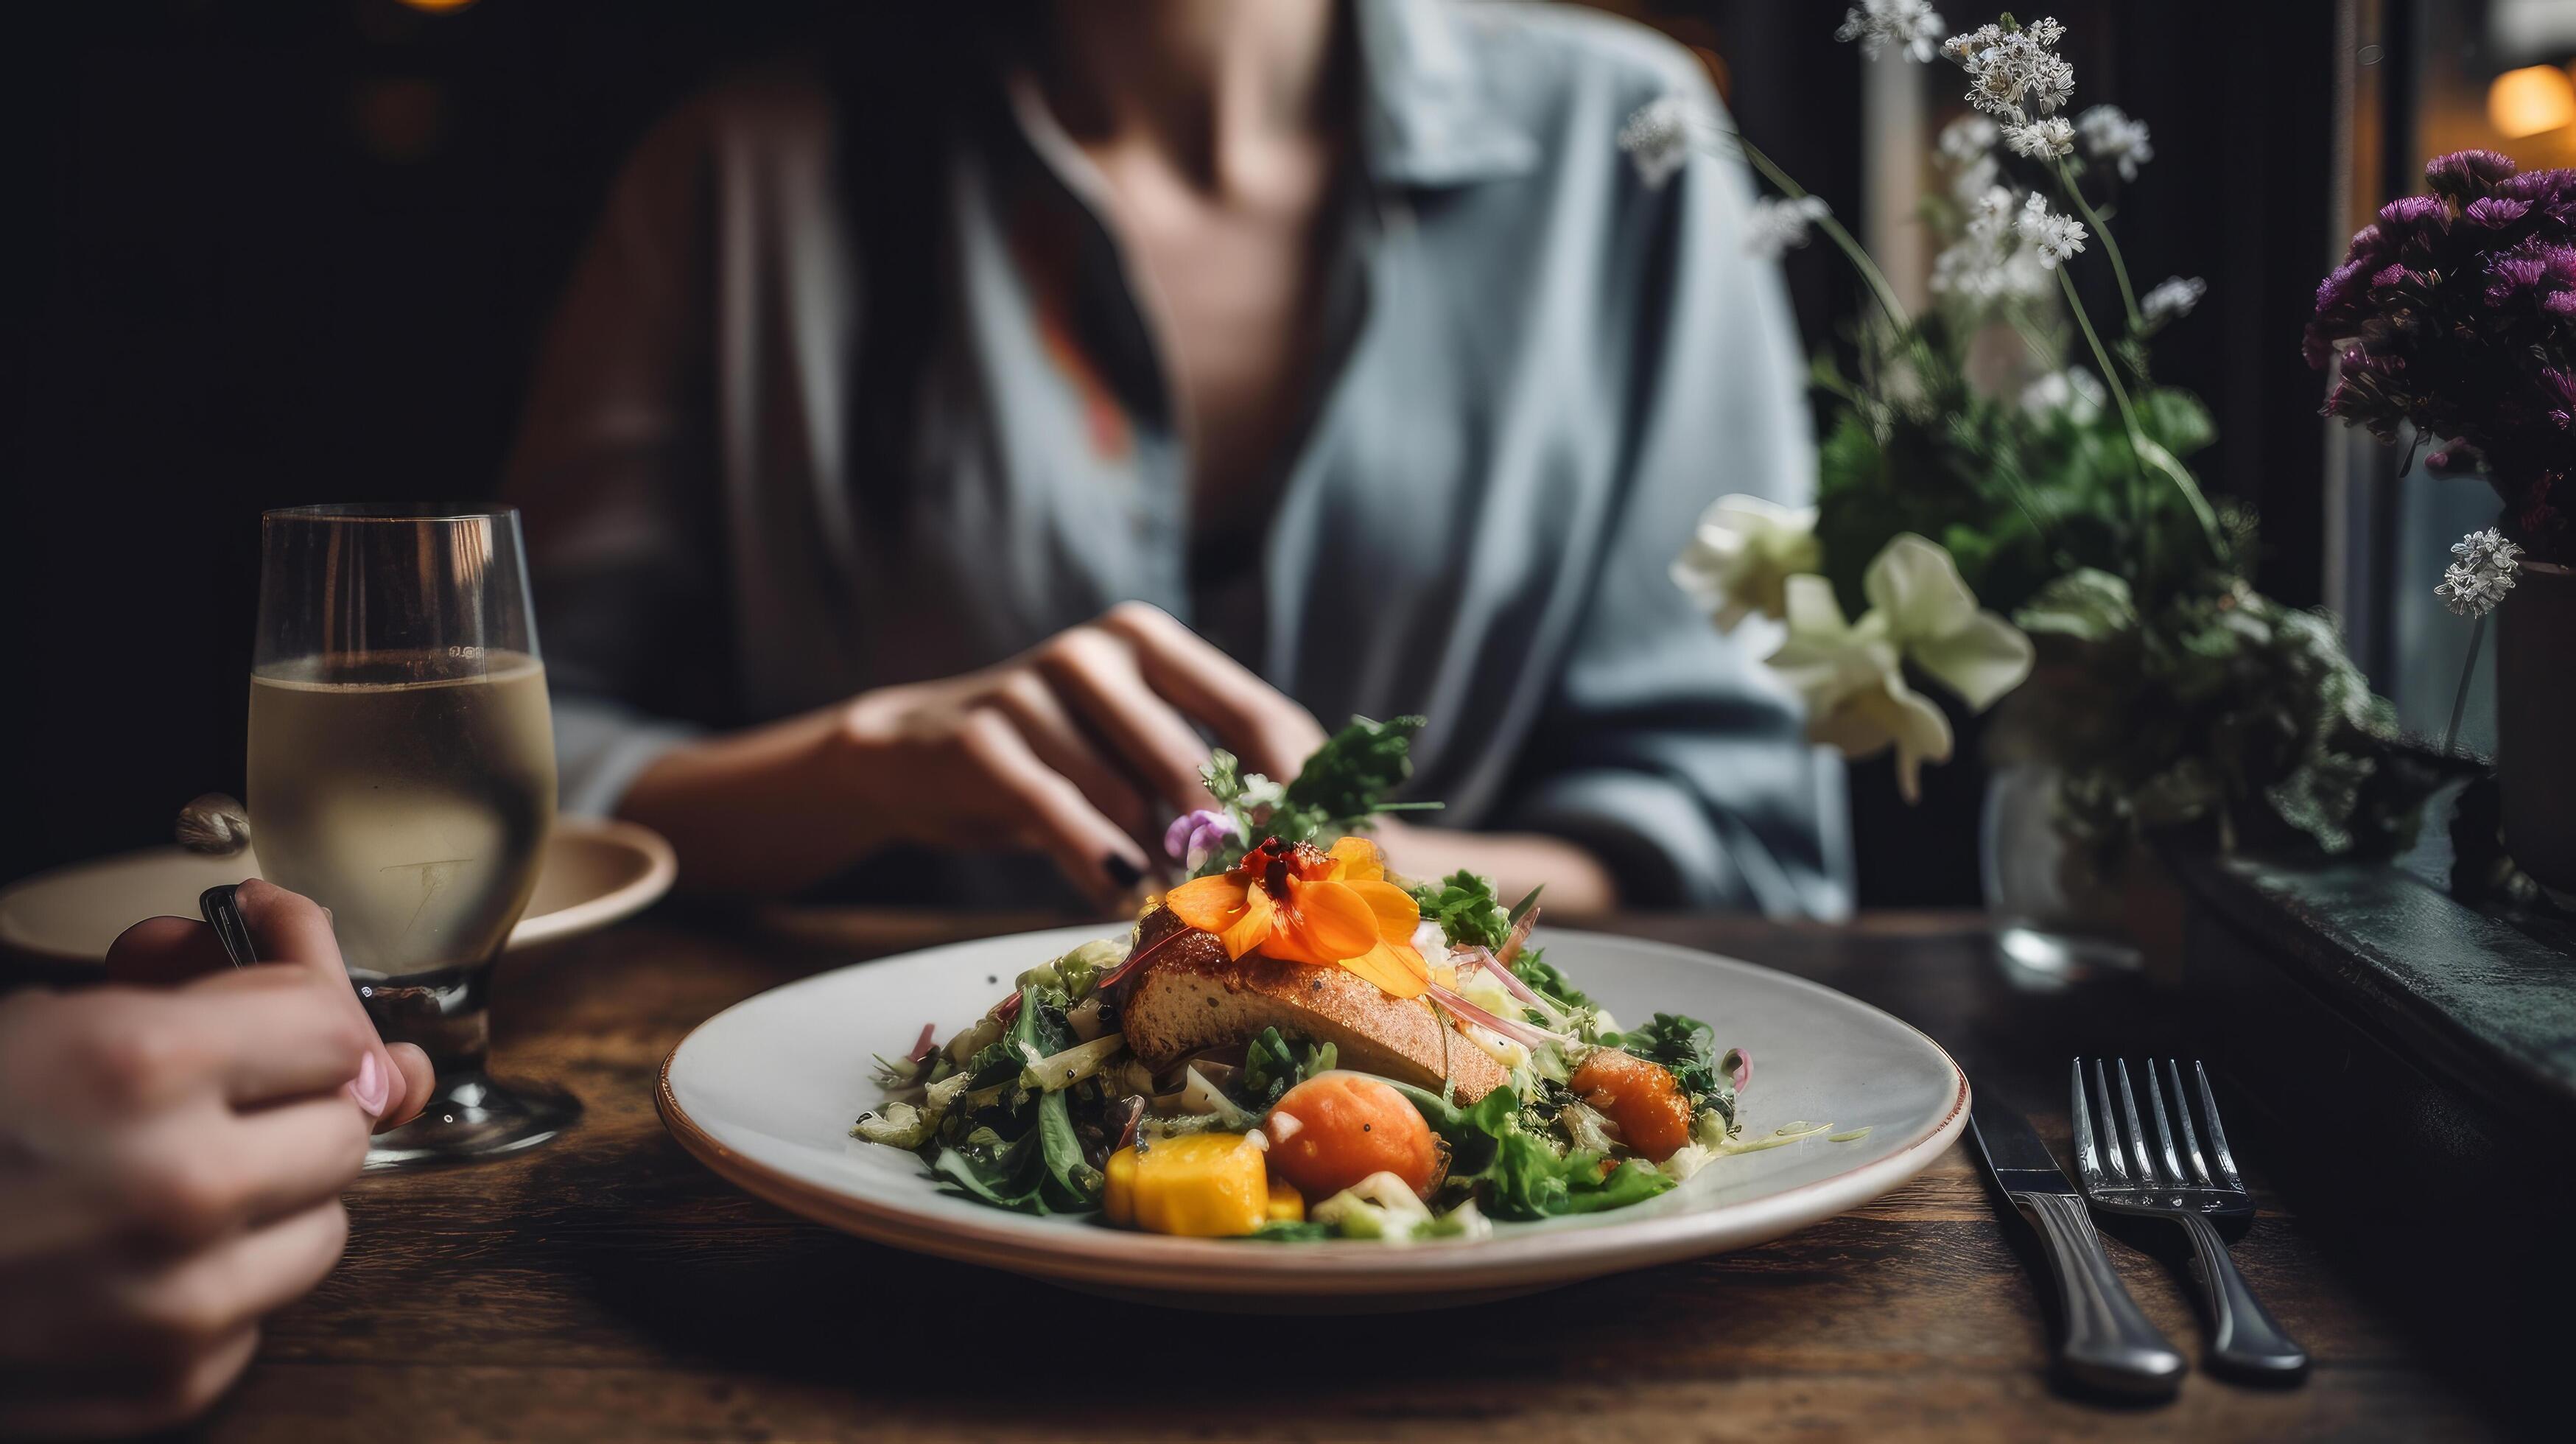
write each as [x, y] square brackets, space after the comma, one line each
[1302, 905]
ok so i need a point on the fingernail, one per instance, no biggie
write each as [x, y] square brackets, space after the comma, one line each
[367, 1090]
[1121, 871]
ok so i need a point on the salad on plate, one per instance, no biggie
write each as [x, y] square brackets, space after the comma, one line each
[1295, 1044]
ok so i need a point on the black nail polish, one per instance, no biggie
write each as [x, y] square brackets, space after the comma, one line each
[1121, 871]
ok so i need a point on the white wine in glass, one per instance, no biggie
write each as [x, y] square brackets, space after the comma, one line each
[402, 774]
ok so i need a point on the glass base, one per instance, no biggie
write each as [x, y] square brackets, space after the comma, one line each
[2042, 960]
[471, 1116]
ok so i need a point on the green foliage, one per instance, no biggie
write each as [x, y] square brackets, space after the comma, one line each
[1020, 1150]
[1350, 774]
[1464, 905]
[1533, 968]
[1525, 1172]
[2222, 709]
[1340, 788]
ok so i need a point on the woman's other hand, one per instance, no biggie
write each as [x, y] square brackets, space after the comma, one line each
[172, 1150]
[1082, 747]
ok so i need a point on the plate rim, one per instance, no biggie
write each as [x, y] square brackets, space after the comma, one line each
[1228, 1266]
[616, 905]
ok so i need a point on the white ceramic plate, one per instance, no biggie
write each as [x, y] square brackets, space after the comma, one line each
[764, 1092]
[596, 871]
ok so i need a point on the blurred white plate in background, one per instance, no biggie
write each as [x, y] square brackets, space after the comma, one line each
[596, 871]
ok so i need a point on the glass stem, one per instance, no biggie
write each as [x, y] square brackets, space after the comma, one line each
[2460, 699]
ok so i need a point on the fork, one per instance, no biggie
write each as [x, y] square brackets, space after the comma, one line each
[2121, 1173]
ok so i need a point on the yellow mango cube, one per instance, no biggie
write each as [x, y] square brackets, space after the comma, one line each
[1287, 1205]
[1200, 1185]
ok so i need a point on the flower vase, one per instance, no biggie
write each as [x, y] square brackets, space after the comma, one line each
[2536, 724]
[2059, 912]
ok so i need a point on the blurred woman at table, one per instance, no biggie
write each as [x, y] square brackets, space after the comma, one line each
[172, 1150]
[939, 441]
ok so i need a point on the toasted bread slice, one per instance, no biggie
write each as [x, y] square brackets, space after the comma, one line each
[1191, 996]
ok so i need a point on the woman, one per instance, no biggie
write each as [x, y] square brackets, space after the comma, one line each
[1336, 342]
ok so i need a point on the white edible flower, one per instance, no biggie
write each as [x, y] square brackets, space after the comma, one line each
[2054, 237]
[1911, 26]
[1851, 674]
[2487, 568]
[2042, 139]
[1774, 225]
[2172, 299]
[1742, 554]
[2112, 136]
[1657, 139]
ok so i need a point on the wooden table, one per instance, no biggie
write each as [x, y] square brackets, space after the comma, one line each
[606, 1286]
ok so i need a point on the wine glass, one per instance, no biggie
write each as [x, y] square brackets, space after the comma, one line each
[402, 774]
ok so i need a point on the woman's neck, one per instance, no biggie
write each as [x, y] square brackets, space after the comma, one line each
[1213, 85]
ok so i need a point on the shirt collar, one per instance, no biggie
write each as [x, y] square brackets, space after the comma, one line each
[1427, 117]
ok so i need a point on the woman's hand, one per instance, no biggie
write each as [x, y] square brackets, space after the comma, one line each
[1083, 748]
[171, 1159]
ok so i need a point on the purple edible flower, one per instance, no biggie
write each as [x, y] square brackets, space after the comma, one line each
[1194, 837]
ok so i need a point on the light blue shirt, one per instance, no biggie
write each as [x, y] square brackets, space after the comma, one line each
[1539, 369]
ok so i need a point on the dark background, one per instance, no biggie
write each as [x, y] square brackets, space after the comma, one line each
[279, 251]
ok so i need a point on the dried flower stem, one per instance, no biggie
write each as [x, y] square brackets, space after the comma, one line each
[2110, 246]
[1833, 229]
[2149, 453]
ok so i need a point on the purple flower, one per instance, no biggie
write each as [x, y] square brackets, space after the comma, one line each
[2496, 212]
[2551, 192]
[2466, 173]
[1193, 837]
[2454, 317]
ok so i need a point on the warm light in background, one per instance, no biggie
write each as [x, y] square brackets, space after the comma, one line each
[437, 4]
[2531, 100]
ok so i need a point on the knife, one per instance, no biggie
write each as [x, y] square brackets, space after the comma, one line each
[2108, 1343]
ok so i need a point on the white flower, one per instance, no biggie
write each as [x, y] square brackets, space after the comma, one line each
[1986, 267]
[1851, 674]
[1974, 178]
[2111, 135]
[2073, 391]
[1912, 26]
[1775, 225]
[2047, 139]
[2487, 568]
[1991, 217]
[2054, 237]
[1742, 555]
[1969, 139]
[2013, 75]
[1657, 139]
[1935, 620]
[2172, 299]
[1853, 683]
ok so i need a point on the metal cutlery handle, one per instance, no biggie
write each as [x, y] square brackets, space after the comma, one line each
[2109, 1343]
[2243, 1335]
